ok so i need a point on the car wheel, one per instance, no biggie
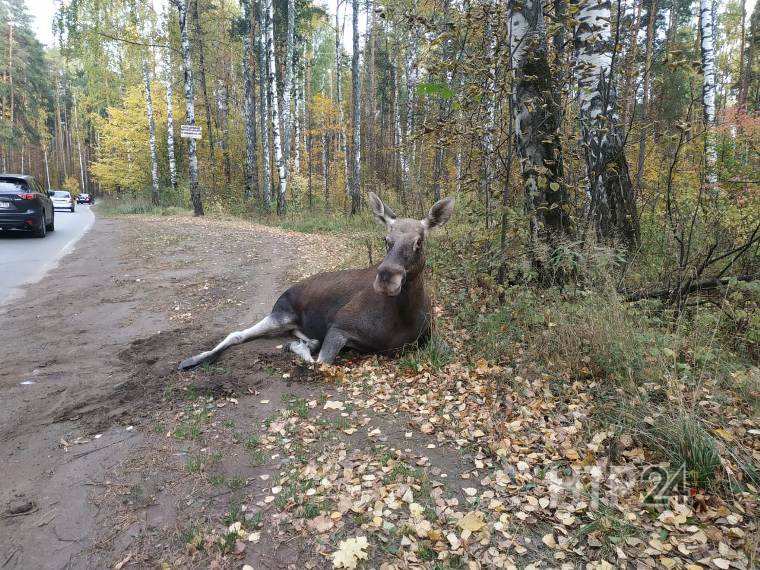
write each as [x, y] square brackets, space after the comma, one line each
[40, 231]
[51, 225]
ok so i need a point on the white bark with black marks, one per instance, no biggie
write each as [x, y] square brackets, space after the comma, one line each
[536, 117]
[707, 45]
[170, 123]
[356, 114]
[187, 67]
[272, 91]
[249, 106]
[266, 194]
[612, 207]
[287, 84]
[155, 197]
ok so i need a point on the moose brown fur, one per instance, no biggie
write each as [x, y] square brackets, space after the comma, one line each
[377, 309]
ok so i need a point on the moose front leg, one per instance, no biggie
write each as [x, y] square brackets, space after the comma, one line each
[334, 342]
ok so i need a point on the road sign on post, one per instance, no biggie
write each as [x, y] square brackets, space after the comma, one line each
[190, 131]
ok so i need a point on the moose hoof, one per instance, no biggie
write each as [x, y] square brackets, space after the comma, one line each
[188, 363]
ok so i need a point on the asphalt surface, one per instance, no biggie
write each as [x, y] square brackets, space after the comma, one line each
[25, 259]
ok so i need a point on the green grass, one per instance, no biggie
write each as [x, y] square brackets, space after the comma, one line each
[125, 206]
[435, 354]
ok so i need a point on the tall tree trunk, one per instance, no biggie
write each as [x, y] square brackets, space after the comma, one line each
[79, 145]
[249, 106]
[11, 95]
[612, 207]
[155, 198]
[744, 70]
[356, 114]
[47, 168]
[536, 119]
[202, 76]
[272, 90]
[222, 103]
[287, 86]
[652, 17]
[707, 45]
[187, 65]
[339, 96]
[170, 123]
[266, 194]
[629, 92]
[490, 126]
[400, 142]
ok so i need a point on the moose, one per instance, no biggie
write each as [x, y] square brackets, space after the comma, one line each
[374, 310]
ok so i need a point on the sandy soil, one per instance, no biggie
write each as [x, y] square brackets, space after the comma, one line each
[88, 388]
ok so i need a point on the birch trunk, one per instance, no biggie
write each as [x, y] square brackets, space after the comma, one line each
[400, 141]
[79, 144]
[202, 73]
[266, 197]
[652, 17]
[612, 208]
[222, 101]
[170, 123]
[249, 107]
[154, 195]
[490, 126]
[287, 86]
[275, 110]
[325, 172]
[356, 114]
[536, 120]
[707, 46]
[339, 99]
[187, 65]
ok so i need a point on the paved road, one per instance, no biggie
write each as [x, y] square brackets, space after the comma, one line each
[25, 259]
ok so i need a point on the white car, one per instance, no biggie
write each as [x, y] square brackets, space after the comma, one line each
[62, 200]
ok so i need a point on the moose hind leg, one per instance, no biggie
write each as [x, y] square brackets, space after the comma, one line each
[273, 323]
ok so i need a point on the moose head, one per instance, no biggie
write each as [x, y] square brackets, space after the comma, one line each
[404, 242]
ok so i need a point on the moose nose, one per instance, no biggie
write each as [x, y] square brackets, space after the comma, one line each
[389, 279]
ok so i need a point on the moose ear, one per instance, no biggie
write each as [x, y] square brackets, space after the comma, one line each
[439, 214]
[383, 213]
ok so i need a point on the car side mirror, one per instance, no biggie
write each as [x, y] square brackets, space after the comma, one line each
[50, 193]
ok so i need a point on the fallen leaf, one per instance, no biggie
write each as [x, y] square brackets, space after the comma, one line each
[472, 521]
[349, 552]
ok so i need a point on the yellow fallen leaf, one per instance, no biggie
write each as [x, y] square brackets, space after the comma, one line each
[349, 552]
[472, 521]
[725, 434]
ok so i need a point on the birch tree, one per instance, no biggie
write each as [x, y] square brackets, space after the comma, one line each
[187, 68]
[612, 208]
[287, 85]
[356, 113]
[536, 121]
[170, 122]
[272, 91]
[249, 105]
[261, 41]
[707, 45]
[155, 198]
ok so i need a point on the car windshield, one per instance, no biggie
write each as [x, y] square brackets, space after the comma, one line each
[60, 194]
[12, 186]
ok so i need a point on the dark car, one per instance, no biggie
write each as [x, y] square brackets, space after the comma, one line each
[25, 205]
[85, 199]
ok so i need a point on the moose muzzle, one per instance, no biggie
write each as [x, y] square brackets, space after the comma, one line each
[390, 279]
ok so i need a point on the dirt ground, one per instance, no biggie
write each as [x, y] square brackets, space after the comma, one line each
[89, 387]
[113, 459]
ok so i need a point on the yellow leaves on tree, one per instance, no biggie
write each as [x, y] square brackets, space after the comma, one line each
[123, 152]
